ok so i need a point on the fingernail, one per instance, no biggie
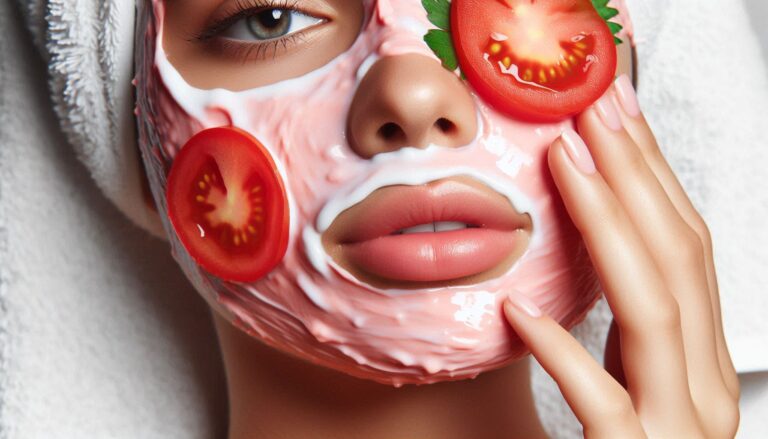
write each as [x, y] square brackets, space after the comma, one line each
[608, 112]
[578, 152]
[627, 96]
[523, 304]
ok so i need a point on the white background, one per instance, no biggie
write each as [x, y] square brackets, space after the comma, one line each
[754, 386]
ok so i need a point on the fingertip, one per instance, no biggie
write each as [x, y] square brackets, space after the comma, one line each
[626, 96]
[555, 154]
[588, 121]
[557, 143]
[569, 155]
[517, 304]
[509, 312]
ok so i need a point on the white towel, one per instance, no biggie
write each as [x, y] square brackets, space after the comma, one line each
[88, 45]
[100, 334]
[102, 337]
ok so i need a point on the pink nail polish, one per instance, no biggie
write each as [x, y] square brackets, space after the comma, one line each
[608, 112]
[578, 152]
[627, 96]
[525, 305]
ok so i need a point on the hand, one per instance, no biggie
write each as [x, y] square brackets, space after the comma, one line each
[669, 372]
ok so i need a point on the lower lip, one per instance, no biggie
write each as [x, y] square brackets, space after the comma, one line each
[428, 257]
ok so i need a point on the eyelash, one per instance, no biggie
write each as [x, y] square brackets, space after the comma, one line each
[259, 51]
[251, 50]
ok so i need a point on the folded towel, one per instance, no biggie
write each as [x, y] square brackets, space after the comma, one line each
[88, 45]
[100, 335]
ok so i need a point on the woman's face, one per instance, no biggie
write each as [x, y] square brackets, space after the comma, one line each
[414, 207]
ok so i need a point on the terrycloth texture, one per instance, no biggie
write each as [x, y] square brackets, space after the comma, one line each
[100, 335]
[88, 45]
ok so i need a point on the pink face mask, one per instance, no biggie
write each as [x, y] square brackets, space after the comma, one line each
[310, 304]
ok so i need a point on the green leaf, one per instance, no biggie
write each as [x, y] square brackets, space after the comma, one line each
[608, 13]
[440, 43]
[438, 13]
[614, 27]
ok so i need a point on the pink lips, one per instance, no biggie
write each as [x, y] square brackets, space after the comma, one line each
[457, 229]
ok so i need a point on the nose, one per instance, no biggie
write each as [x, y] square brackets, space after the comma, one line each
[409, 100]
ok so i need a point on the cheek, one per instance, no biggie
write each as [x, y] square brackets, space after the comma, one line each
[521, 150]
[307, 136]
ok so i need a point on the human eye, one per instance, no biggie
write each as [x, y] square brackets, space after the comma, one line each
[254, 29]
[269, 24]
[242, 44]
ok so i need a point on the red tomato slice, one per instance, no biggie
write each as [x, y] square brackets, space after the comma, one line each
[540, 60]
[227, 203]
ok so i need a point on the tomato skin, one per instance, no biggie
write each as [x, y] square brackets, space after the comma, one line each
[472, 21]
[230, 228]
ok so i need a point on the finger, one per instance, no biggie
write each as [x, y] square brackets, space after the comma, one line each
[673, 244]
[645, 311]
[600, 404]
[638, 129]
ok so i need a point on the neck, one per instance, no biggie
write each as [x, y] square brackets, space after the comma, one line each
[274, 395]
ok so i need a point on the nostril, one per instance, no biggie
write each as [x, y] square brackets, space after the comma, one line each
[445, 126]
[391, 131]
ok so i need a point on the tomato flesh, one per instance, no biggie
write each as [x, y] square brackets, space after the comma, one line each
[227, 204]
[539, 60]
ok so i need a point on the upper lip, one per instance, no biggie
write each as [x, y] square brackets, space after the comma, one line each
[391, 209]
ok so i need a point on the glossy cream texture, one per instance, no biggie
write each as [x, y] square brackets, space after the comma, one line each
[310, 307]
